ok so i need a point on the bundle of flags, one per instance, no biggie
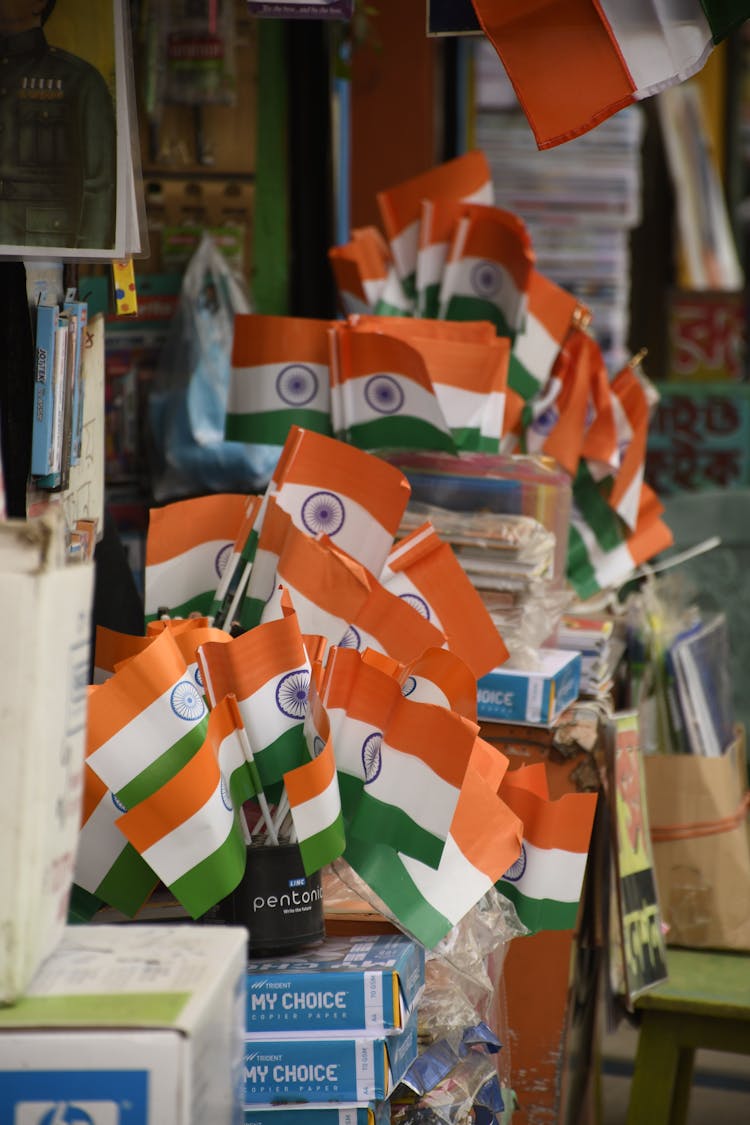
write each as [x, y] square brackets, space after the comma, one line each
[342, 713]
[624, 58]
[497, 359]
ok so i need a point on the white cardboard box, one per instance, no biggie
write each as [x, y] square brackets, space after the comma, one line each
[131, 1025]
[45, 608]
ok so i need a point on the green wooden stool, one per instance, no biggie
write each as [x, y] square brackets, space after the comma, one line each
[705, 1003]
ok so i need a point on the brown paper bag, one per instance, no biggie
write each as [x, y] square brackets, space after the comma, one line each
[697, 810]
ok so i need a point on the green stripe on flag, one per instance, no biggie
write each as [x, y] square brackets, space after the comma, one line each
[385, 308]
[540, 913]
[593, 507]
[164, 768]
[323, 847]
[477, 308]
[387, 876]
[285, 753]
[214, 877]
[429, 301]
[128, 883]
[82, 906]
[471, 438]
[199, 603]
[520, 381]
[271, 427]
[251, 611]
[399, 433]
[350, 790]
[391, 825]
[242, 785]
[578, 566]
[724, 16]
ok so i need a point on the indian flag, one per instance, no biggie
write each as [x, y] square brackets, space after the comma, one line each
[188, 544]
[384, 395]
[483, 842]
[393, 300]
[330, 488]
[359, 696]
[436, 225]
[279, 376]
[189, 641]
[239, 559]
[313, 793]
[327, 588]
[630, 401]
[470, 382]
[413, 775]
[466, 177]
[462, 331]
[112, 648]
[389, 624]
[268, 671]
[544, 883]
[600, 447]
[440, 677]
[360, 268]
[424, 571]
[602, 56]
[602, 552]
[487, 273]
[555, 421]
[145, 722]
[549, 317]
[188, 831]
[107, 868]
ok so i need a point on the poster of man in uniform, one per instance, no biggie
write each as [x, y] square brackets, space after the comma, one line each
[66, 177]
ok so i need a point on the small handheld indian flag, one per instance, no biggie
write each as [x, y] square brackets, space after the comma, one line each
[279, 377]
[424, 571]
[360, 268]
[600, 447]
[313, 793]
[631, 406]
[145, 722]
[189, 831]
[384, 394]
[484, 840]
[555, 421]
[549, 317]
[436, 225]
[330, 488]
[486, 276]
[439, 676]
[268, 671]
[188, 544]
[544, 883]
[466, 177]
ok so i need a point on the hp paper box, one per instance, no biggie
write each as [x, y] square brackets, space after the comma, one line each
[516, 695]
[355, 984]
[326, 1068]
[129, 1025]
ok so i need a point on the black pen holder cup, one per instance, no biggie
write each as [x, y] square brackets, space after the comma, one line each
[279, 905]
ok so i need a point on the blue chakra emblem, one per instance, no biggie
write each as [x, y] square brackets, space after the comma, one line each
[198, 678]
[545, 422]
[118, 803]
[226, 800]
[187, 702]
[372, 762]
[516, 870]
[291, 693]
[486, 279]
[351, 639]
[296, 385]
[383, 394]
[220, 562]
[323, 513]
[417, 603]
[409, 686]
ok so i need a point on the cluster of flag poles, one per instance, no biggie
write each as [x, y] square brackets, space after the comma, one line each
[341, 716]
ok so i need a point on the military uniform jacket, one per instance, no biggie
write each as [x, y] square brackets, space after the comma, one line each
[57, 148]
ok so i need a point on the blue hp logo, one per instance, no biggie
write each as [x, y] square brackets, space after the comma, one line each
[67, 1113]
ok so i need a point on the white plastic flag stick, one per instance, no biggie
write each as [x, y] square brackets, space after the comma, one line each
[262, 801]
[238, 596]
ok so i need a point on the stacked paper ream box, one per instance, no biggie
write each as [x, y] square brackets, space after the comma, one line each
[330, 1032]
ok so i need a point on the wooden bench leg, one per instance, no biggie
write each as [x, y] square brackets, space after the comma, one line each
[663, 1074]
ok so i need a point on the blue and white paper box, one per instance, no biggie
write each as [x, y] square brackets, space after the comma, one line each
[539, 696]
[335, 1113]
[346, 984]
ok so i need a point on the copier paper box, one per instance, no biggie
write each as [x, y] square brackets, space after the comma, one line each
[357, 984]
[327, 1067]
[338, 1113]
[516, 695]
[129, 1025]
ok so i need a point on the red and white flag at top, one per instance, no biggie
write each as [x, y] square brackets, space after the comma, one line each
[574, 63]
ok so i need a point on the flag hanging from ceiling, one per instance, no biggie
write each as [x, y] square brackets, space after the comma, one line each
[573, 63]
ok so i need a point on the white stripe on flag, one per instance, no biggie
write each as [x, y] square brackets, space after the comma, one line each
[318, 812]
[176, 580]
[194, 840]
[651, 55]
[349, 736]
[145, 738]
[535, 349]
[417, 401]
[230, 756]
[408, 782]
[373, 288]
[426, 691]
[404, 249]
[471, 409]
[262, 575]
[454, 887]
[262, 716]
[272, 386]
[611, 568]
[352, 528]
[552, 873]
[430, 264]
[503, 293]
[312, 619]
[398, 583]
[104, 843]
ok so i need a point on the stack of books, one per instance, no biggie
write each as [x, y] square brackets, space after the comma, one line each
[600, 646]
[330, 1032]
